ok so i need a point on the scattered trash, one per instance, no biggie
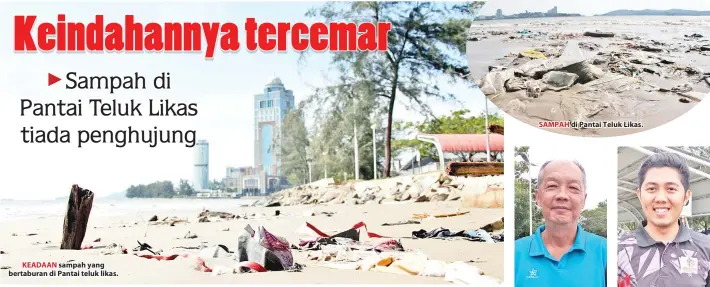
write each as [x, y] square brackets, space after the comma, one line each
[532, 54]
[264, 250]
[144, 247]
[352, 233]
[168, 221]
[558, 79]
[200, 263]
[219, 214]
[190, 235]
[494, 226]
[598, 34]
[217, 251]
[403, 222]
[309, 213]
[113, 249]
[154, 218]
[443, 233]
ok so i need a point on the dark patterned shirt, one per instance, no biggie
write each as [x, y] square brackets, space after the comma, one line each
[644, 262]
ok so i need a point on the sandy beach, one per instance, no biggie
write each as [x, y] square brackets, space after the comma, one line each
[126, 230]
[646, 70]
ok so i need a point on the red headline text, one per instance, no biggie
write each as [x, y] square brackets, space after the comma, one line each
[100, 35]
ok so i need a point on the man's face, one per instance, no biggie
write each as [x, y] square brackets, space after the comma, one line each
[561, 194]
[662, 196]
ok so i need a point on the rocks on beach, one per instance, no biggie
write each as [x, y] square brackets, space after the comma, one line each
[417, 188]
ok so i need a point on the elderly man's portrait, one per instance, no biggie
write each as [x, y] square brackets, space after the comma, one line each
[664, 203]
[560, 219]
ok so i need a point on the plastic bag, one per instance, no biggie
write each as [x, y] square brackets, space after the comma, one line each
[264, 248]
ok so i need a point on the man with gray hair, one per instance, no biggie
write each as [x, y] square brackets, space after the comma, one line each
[663, 252]
[561, 253]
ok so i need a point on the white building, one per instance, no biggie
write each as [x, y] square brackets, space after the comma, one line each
[201, 168]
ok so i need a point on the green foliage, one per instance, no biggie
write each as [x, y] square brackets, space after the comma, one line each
[594, 220]
[294, 147]
[427, 39]
[522, 206]
[456, 123]
[158, 189]
[523, 193]
[699, 222]
[185, 189]
[216, 185]
[349, 104]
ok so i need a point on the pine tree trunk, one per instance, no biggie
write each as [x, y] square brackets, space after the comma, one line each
[77, 217]
[388, 132]
[388, 140]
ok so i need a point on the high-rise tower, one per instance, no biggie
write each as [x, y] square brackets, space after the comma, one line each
[201, 169]
[270, 109]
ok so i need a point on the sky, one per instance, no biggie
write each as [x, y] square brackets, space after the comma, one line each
[589, 8]
[223, 88]
[591, 162]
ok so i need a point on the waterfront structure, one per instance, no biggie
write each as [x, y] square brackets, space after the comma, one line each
[201, 166]
[499, 14]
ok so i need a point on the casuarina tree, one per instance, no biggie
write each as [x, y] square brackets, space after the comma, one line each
[427, 40]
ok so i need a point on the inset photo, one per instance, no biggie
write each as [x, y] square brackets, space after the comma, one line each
[560, 217]
[664, 204]
[592, 69]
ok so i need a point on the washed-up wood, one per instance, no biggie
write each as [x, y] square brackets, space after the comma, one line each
[220, 214]
[475, 169]
[77, 217]
[426, 215]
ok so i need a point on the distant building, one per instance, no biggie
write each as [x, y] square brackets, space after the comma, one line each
[552, 11]
[499, 14]
[270, 109]
[201, 166]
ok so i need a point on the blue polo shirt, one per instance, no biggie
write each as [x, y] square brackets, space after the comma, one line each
[584, 265]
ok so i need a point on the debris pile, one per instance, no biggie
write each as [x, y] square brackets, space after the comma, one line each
[593, 71]
[585, 78]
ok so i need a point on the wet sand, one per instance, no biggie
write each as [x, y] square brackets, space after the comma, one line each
[132, 269]
[643, 103]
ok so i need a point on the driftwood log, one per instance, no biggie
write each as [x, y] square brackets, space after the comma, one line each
[77, 217]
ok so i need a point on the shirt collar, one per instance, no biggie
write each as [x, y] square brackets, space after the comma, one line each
[645, 240]
[537, 247]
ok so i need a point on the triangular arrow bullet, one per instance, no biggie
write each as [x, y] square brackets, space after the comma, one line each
[52, 79]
